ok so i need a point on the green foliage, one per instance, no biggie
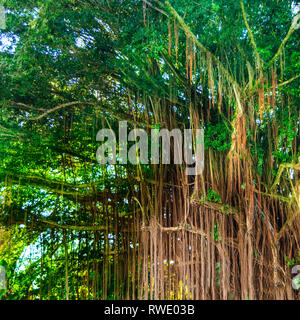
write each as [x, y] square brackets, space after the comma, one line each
[213, 196]
[217, 136]
[290, 262]
[107, 53]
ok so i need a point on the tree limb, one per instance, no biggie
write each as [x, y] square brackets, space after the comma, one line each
[251, 37]
[293, 27]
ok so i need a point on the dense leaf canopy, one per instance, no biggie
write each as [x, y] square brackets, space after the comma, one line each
[69, 68]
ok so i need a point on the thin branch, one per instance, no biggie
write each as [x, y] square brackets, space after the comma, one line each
[155, 8]
[25, 106]
[231, 241]
[61, 106]
[173, 68]
[70, 227]
[295, 166]
[287, 224]
[288, 81]
[251, 36]
[111, 113]
[293, 27]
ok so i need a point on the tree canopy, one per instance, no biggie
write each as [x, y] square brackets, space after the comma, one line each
[71, 228]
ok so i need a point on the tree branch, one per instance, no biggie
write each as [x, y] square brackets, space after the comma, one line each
[251, 37]
[294, 26]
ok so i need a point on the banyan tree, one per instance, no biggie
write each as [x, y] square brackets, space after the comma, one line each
[71, 228]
